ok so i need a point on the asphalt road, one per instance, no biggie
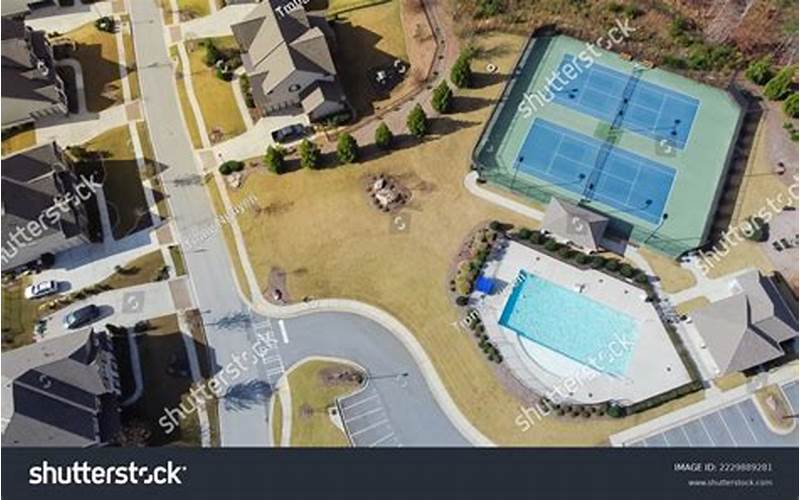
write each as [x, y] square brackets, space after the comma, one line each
[231, 328]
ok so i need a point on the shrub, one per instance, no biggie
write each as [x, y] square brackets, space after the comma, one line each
[309, 154]
[759, 71]
[417, 122]
[461, 73]
[566, 252]
[489, 8]
[597, 262]
[537, 238]
[780, 86]
[231, 166]
[759, 229]
[462, 300]
[106, 24]
[790, 105]
[524, 233]
[641, 278]
[247, 91]
[612, 265]
[552, 245]
[442, 98]
[273, 159]
[582, 259]
[212, 54]
[627, 270]
[224, 75]
[710, 57]
[383, 137]
[347, 149]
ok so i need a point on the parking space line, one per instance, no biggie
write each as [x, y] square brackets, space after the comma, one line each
[686, 435]
[711, 439]
[368, 412]
[664, 435]
[284, 335]
[727, 429]
[755, 439]
[383, 439]
[370, 427]
[359, 402]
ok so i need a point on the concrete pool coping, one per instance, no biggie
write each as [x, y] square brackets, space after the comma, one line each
[544, 370]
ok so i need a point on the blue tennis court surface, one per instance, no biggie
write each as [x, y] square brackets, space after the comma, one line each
[651, 110]
[569, 160]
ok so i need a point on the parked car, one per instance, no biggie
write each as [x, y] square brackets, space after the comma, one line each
[82, 316]
[41, 289]
[289, 132]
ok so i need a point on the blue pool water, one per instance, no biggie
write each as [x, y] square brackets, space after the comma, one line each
[652, 110]
[624, 180]
[570, 324]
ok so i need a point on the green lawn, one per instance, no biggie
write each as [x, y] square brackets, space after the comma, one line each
[177, 259]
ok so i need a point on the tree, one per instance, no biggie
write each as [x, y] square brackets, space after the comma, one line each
[212, 54]
[759, 71]
[309, 154]
[461, 73]
[347, 149]
[779, 86]
[417, 122]
[383, 137]
[442, 98]
[274, 159]
[790, 105]
[231, 166]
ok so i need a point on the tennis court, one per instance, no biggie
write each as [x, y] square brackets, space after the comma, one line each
[576, 162]
[643, 107]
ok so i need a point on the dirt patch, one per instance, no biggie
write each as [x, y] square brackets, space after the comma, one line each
[340, 376]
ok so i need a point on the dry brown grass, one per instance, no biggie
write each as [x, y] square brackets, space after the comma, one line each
[97, 54]
[215, 96]
[186, 107]
[673, 277]
[319, 227]
[692, 305]
[19, 140]
[730, 381]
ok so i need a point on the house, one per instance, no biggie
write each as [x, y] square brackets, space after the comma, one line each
[45, 205]
[751, 327]
[31, 87]
[61, 392]
[576, 224]
[287, 56]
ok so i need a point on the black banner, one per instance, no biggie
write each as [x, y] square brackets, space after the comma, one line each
[542, 473]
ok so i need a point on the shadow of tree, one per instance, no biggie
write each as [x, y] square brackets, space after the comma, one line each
[247, 394]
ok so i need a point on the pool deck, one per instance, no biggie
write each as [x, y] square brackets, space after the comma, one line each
[654, 365]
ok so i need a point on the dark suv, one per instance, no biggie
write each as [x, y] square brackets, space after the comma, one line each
[82, 316]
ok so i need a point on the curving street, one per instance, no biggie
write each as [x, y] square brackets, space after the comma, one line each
[231, 327]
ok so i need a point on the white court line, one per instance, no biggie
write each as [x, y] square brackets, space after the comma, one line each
[368, 412]
[686, 435]
[359, 402]
[370, 427]
[381, 440]
[285, 336]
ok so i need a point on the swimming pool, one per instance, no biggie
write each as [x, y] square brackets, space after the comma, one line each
[571, 324]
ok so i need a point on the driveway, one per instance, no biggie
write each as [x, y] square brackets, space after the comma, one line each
[230, 326]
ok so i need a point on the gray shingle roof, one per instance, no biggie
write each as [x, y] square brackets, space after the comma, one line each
[577, 224]
[747, 328]
[30, 83]
[55, 392]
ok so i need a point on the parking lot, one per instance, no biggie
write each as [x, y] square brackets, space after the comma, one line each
[366, 421]
[736, 425]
